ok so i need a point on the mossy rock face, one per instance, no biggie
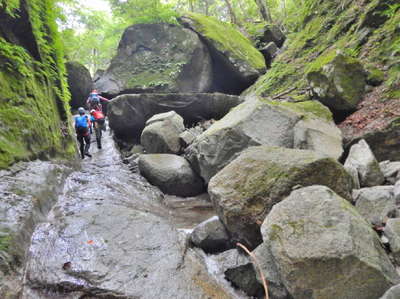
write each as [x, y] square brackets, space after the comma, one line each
[305, 125]
[324, 249]
[245, 191]
[339, 82]
[328, 26]
[80, 83]
[236, 62]
[158, 58]
[34, 110]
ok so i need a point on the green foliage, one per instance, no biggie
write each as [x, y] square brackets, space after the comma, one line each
[10, 6]
[144, 11]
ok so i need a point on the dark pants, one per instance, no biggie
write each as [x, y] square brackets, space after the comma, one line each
[84, 144]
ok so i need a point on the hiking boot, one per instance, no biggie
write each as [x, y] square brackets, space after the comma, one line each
[89, 155]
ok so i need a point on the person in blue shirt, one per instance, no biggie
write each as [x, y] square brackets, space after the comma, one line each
[83, 128]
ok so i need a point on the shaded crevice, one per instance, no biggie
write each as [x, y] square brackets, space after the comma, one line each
[19, 31]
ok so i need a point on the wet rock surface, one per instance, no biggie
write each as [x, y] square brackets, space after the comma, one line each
[27, 191]
[129, 113]
[211, 236]
[325, 235]
[110, 236]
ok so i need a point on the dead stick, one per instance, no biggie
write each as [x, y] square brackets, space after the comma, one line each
[283, 93]
[257, 266]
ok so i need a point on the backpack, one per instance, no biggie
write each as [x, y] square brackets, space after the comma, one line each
[94, 99]
[81, 122]
[98, 115]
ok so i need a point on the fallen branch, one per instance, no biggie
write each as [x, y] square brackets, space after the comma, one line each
[255, 262]
[283, 93]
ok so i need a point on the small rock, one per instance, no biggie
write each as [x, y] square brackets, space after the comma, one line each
[211, 236]
[390, 170]
[362, 159]
[392, 232]
[375, 203]
[238, 269]
[392, 293]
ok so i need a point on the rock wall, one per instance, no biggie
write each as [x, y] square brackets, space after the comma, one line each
[34, 97]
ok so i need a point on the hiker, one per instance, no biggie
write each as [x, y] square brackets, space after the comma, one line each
[94, 101]
[98, 120]
[83, 128]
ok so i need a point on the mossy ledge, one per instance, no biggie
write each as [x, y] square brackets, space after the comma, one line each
[366, 30]
[34, 96]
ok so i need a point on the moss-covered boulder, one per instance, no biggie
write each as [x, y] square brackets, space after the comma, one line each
[34, 110]
[236, 62]
[128, 113]
[338, 81]
[245, 191]
[305, 125]
[158, 58]
[324, 249]
[80, 83]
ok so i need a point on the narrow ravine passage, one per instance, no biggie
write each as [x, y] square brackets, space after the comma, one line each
[109, 237]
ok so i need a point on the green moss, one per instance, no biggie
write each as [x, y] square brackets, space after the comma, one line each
[5, 242]
[374, 75]
[228, 39]
[328, 28]
[34, 110]
[314, 108]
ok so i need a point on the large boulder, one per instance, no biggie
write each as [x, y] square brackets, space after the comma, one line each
[80, 83]
[305, 125]
[376, 204]
[362, 158]
[161, 135]
[271, 33]
[158, 58]
[211, 236]
[245, 191]
[323, 249]
[236, 62]
[171, 173]
[128, 114]
[338, 82]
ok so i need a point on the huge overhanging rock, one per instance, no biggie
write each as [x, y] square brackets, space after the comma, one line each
[128, 113]
[305, 125]
[236, 62]
[158, 58]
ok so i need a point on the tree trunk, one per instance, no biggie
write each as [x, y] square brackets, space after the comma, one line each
[265, 13]
[191, 8]
[207, 8]
[231, 13]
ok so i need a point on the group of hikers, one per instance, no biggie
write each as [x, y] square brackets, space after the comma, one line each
[85, 124]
